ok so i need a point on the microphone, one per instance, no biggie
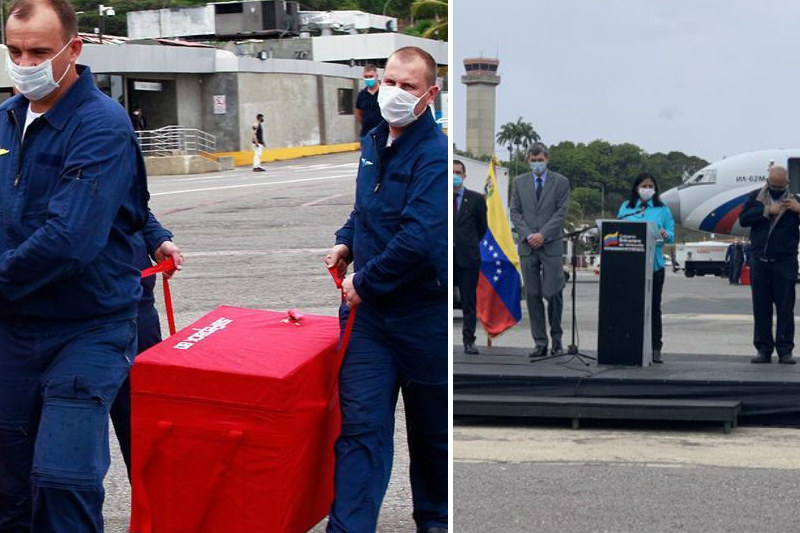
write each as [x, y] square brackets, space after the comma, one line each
[640, 211]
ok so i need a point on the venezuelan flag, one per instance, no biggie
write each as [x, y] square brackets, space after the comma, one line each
[612, 239]
[498, 296]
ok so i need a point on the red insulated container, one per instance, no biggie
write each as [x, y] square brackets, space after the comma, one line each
[744, 278]
[234, 421]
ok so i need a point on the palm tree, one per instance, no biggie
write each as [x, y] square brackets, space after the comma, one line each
[517, 136]
[508, 136]
[527, 134]
[432, 9]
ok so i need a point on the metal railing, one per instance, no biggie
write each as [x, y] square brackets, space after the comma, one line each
[176, 140]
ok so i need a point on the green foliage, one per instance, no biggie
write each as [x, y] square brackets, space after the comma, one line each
[575, 214]
[420, 28]
[517, 167]
[589, 199]
[435, 12]
[429, 9]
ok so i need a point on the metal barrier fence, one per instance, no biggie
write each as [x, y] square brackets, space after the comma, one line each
[175, 140]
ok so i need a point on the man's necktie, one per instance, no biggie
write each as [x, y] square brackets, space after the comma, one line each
[538, 188]
[455, 206]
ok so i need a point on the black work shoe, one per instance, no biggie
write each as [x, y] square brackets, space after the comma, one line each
[557, 349]
[469, 348]
[657, 357]
[761, 358]
[259, 169]
[539, 351]
[786, 359]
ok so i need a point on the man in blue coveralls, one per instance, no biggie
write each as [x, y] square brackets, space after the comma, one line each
[396, 237]
[73, 194]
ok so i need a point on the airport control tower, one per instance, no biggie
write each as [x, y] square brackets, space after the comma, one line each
[481, 80]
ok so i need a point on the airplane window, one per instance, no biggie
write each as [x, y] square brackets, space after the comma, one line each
[705, 176]
[710, 176]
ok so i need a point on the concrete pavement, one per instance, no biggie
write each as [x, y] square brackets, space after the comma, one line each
[629, 477]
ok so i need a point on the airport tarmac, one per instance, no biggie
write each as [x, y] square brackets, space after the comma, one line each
[629, 477]
[258, 240]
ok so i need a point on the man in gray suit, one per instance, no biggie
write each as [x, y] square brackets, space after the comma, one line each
[539, 203]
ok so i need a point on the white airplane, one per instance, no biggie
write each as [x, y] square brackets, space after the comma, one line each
[712, 198]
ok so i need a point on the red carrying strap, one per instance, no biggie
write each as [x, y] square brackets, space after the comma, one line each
[168, 265]
[351, 318]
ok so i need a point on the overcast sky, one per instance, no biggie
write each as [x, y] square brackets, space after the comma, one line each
[711, 78]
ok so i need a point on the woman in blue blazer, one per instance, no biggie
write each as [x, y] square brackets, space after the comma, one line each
[645, 204]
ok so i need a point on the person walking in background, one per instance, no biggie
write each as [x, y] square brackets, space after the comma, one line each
[729, 262]
[747, 252]
[539, 203]
[138, 120]
[737, 262]
[258, 142]
[772, 214]
[469, 227]
[368, 112]
[644, 203]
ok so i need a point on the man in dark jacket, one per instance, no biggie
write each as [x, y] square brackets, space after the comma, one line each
[73, 194]
[396, 237]
[469, 227]
[154, 243]
[137, 119]
[368, 112]
[729, 262]
[771, 213]
[737, 262]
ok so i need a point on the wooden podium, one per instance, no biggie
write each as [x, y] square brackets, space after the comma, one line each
[626, 286]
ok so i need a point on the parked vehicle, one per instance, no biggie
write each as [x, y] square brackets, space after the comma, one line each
[701, 258]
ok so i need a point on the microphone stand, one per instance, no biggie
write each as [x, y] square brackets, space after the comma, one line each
[573, 349]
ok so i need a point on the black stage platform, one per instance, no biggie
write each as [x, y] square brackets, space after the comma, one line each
[769, 394]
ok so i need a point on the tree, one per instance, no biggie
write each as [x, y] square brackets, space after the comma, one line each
[507, 136]
[589, 199]
[432, 9]
[517, 137]
[527, 135]
[575, 214]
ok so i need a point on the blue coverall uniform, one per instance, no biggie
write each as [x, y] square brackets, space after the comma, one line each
[397, 234]
[73, 195]
[148, 328]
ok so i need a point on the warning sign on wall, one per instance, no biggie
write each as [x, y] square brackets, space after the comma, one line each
[220, 104]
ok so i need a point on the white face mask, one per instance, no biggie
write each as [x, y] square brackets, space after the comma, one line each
[397, 106]
[35, 82]
[645, 193]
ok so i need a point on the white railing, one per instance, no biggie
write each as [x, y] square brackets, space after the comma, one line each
[175, 140]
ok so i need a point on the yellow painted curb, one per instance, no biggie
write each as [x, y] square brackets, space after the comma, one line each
[282, 154]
